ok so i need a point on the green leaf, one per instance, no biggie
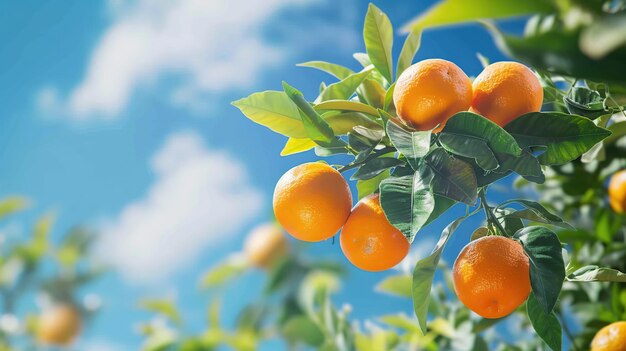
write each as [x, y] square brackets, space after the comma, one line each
[362, 58]
[407, 202]
[585, 102]
[274, 110]
[547, 270]
[343, 123]
[424, 273]
[413, 145]
[597, 274]
[546, 325]
[224, 272]
[389, 98]
[565, 137]
[294, 146]
[302, 329]
[449, 12]
[470, 135]
[453, 178]
[398, 285]
[343, 89]
[375, 167]
[338, 71]
[164, 307]
[378, 37]
[526, 165]
[316, 128]
[409, 49]
[372, 92]
[346, 105]
[12, 205]
[539, 212]
[369, 186]
[604, 36]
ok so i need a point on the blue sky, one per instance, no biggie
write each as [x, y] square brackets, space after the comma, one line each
[117, 114]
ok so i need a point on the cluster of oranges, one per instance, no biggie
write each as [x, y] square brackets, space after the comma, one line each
[312, 202]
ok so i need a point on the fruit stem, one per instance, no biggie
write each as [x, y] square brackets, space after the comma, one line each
[491, 218]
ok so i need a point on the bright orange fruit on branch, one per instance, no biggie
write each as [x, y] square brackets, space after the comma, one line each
[59, 326]
[265, 245]
[429, 92]
[617, 192]
[610, 338]
[312, 201]
[504, 91]
[491, 276]
[369, 241]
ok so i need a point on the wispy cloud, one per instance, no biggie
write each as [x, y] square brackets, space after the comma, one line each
[200, 198]
[200, 47]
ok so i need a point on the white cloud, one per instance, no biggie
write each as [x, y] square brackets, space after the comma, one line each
[206, 46]
[199, 199]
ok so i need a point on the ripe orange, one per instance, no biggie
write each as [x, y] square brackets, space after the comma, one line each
[369, 241]
[429, 92]
[312, 201]
[265, 245]
[491, 276]
[617, 192]
[610, 338]
[59, 326]
[504, 91]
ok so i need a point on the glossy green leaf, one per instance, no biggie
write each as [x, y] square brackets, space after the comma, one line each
[585, 102]
[343, 89]
[450, 12]
[397, 285]
[546, 325]
[442, 204]
[541, 214]
[362, 58]
[316, 128]
[565, 137]
[389, 98]
[470, 135]
[336, 70]
[372, 92]
[407, 202]
[378, 38]
[526, 165]
[424, 273]
[547, 270]
[274, 110]
[413, 145]
[594, 273]
[343, 123]
[409, 49]
[370, 186]
[375, 167]
[346, 105]
[294, 146]
[453, 178]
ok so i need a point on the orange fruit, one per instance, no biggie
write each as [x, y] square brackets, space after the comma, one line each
[617, 192]
[312, 201]
[369, 241]
[491, 276]
[429, 92]
[504, 91]
[59, 325]
[265, 245]
[610, 338]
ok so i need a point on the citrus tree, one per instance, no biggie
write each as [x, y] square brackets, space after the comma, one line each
[33, 268]
[420, 138]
